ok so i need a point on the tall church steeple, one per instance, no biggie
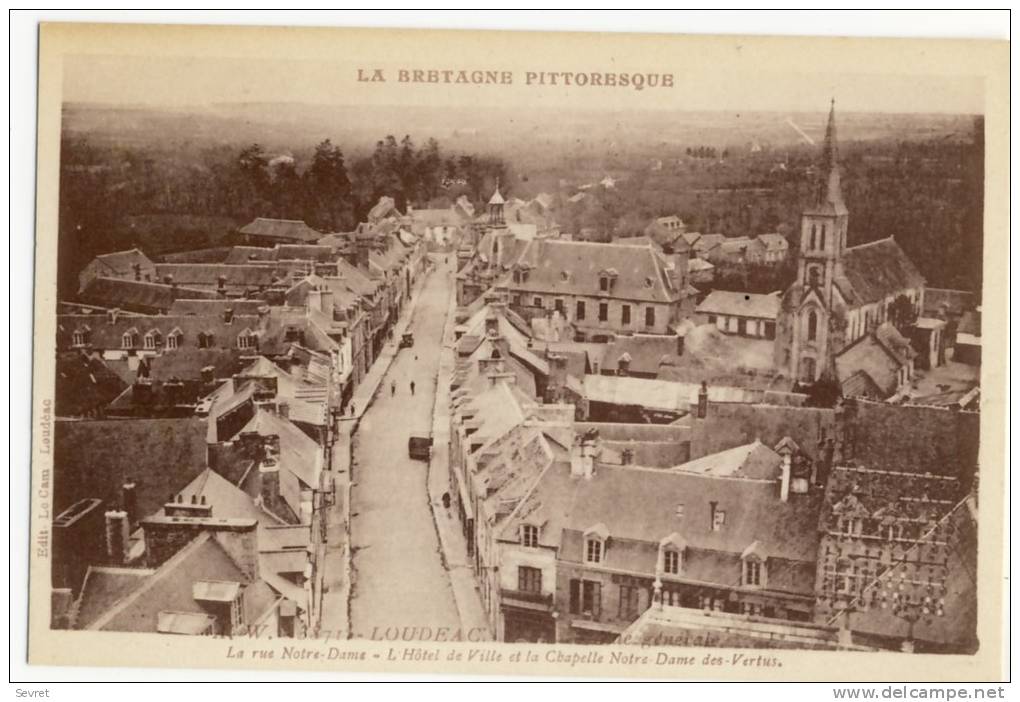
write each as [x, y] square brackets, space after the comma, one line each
[823, 227]
[829, 193]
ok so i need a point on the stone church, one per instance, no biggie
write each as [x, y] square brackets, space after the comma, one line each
[836, 319]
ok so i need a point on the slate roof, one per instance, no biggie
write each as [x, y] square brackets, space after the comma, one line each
[293, 229]
[94, 458]
[188, 363]
[138, 296]
[216, 307]
[107, 334]
[83, 384]
[638, 507]
[729, 425]
[103, 587]
[659, 394]
[574, 268]
[774, 242]
[876, 270]
[738, 304]
[122, 263]
[646, 352]
[298, 452]
[170, 589]
[877, 356]
[754, 460]
[209, 274]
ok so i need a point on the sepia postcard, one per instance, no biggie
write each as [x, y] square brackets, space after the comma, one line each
[520, 353]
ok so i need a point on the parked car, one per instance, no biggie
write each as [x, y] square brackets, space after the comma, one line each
[419, 447]
[407, 341]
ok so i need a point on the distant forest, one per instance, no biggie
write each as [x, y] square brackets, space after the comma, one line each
[166, 199]
[926, 191]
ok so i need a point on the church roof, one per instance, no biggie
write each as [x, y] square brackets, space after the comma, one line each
[875, 271]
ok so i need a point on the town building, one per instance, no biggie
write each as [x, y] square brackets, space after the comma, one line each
[842, 293]
[745, 314]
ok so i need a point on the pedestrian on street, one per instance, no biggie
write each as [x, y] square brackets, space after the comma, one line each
[352, 409]
[412, 387]
[393, 388]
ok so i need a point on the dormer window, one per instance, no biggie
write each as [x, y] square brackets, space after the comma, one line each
[718, 520]
[753, 566]
[529, 535]
[153, 340]
[173, 340]
[595, 544]
[246, 340]
[671, 554]
[81, 337]
[752, 573]
[604, 283]
[205, 340]
[129, 339]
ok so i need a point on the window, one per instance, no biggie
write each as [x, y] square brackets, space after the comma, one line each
[604, 284]
[529, 579]
[205, 340]
[593, 551]
[529, 535]
[580, 309]
[649, 316]
[558, 306]
[680, 511]
[537, 302]
[245, 340]
[711, 319]
[752, 573]
[630, 602]
[812, 326]
[814, 234]
[173, 341]
[129, 339]
[671, 562]
[625, 314]
[586, 597]
[718, 520]
[603, 311]
[80, 338]
[153, 339]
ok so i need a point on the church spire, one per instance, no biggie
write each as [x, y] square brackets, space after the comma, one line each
[829, 192]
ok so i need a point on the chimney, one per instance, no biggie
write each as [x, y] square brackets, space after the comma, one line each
[557, 376]
[263, 311]
[703, 400]
[141, 391]
[208, 374]
[784, 480]
[326, 300]
[314, 299]
[118, 534]
[679, 344]
[221, 283]
[711, 515]
[129, 501]
[168, 279]
[269, 483]
[194, 507]
[583, 454]
[228, 315]
[112, 315]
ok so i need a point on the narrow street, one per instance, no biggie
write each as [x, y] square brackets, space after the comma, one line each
[399, 582]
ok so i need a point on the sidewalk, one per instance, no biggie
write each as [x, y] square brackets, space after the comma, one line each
[451, 537]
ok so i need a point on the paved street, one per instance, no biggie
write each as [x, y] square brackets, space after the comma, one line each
[399, 581]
